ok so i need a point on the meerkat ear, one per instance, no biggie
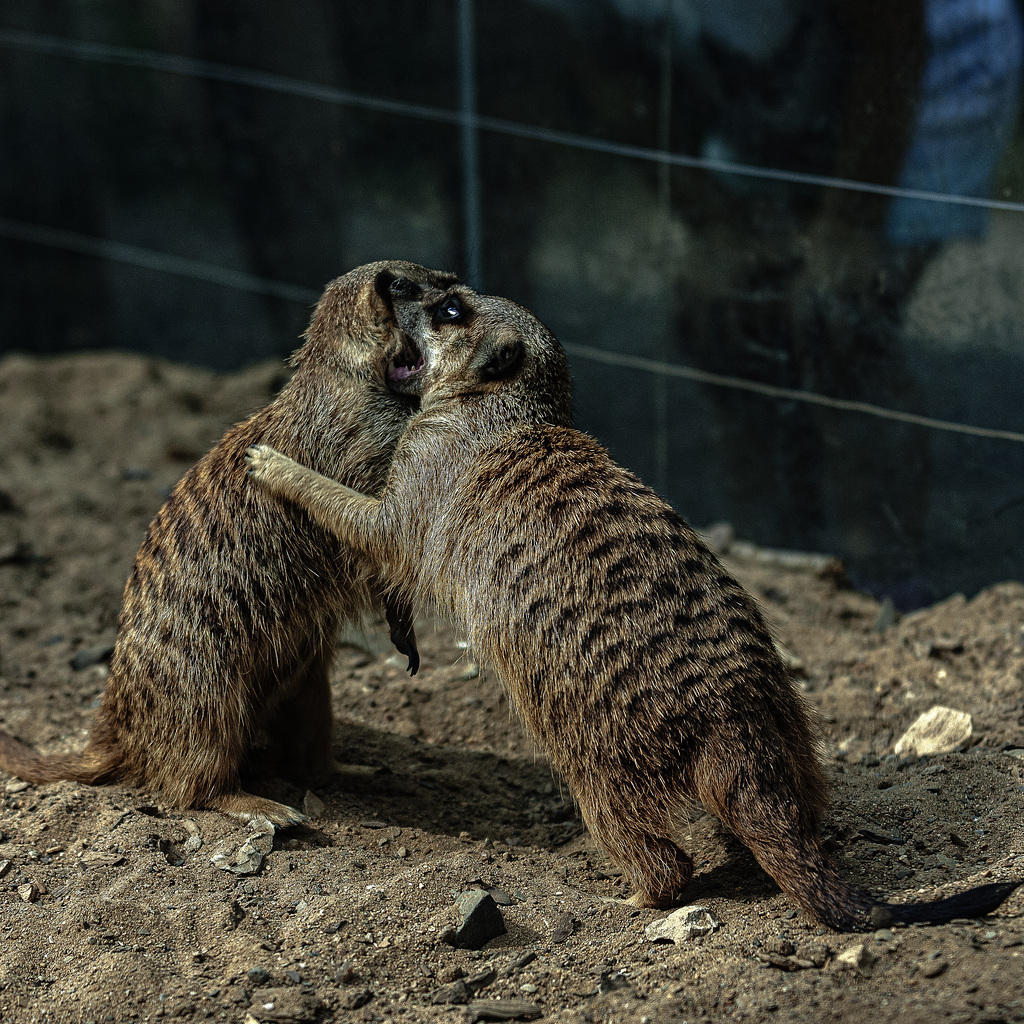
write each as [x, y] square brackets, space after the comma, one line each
[500, 358]
[390, 287]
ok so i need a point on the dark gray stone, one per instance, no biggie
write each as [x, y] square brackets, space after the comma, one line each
[481, 920]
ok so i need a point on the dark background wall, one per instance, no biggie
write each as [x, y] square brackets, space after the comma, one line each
[824, 198]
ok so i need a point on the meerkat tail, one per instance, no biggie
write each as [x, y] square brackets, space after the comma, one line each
[91, 765]
[804, 871]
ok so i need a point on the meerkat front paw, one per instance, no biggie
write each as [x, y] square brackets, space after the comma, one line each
[266, 464]
[257, 458]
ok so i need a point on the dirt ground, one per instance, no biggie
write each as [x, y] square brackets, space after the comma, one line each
[111, 909]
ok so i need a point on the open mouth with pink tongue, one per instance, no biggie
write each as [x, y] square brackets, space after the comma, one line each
[405, 367]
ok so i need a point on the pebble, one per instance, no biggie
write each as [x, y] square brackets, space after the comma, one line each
[249, 858]
[16, 787]
[516, 964]
[481, 920]
[503, 1009]
[102, 859]
[17, 552]
[312, 805]
[89, 656]
[354, 998]
[886, 615]
[258, 975]
[937, 731]
[564, 928]
[683, 924]
[5, 866]
[933, 966]
[463, 989]
[499, 896]
[857, 957]
[291, 1005]
[29, 892]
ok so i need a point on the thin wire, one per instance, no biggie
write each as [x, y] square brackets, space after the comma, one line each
[32, 42]
[120, 252]
[165, 263]
[472, 229]
[789, 394]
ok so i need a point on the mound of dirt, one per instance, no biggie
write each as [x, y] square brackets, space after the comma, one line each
[112, 909]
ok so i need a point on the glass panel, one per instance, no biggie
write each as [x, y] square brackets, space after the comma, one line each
[818, 204]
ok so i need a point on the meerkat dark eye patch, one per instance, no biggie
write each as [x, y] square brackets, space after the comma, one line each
[449, 310]
[502, 361]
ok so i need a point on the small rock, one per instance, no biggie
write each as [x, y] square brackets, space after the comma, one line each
[88, 656]
[346, 974]
[481, 920]
[503, 1009]
[937, 731]
[258, 975]
[249, 858]
[857, 957]
[29, 892]
[5, 866]
[886, 615]
[284, 1006]
[881, 836]
[563, 929]
[683, 924]
[102, 859]
[17, 552]
[476, 982]
[517, 963]
[312, 805]
[933, 966]
[354, 998]
[499, 896]
[456, 994]
[16, 787]
[788, 963]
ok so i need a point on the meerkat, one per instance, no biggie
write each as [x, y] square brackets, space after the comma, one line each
[231, 612]
[647, 673]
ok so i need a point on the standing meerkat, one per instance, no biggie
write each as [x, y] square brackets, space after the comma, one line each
[230, 616]
[647, 673]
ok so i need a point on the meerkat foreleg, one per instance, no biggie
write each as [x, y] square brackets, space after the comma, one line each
[344, 512]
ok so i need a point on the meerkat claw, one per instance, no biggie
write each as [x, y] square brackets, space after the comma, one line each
[256, 459]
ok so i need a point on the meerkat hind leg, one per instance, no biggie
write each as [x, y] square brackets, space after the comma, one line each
[248, 807]
[659, 869]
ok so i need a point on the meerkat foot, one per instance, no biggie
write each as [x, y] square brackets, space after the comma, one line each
[248, 807]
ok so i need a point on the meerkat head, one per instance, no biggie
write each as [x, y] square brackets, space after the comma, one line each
[462, 345]
[353, 331]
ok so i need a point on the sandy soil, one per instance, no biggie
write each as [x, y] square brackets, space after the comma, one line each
[111, 909]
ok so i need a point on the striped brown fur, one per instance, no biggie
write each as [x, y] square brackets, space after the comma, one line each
[230, 615]
[645, 670]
